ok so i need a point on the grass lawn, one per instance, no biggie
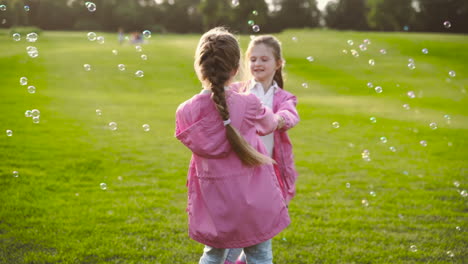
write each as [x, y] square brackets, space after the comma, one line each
[408, 205]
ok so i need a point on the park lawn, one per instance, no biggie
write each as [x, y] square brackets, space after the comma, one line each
[347, 210]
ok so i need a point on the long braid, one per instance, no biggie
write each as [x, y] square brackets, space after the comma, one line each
[216, 58]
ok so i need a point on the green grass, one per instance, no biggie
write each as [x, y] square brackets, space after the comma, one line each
[56, 212]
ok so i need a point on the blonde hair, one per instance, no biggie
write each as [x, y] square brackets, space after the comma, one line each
[275, 45]
[216, 59]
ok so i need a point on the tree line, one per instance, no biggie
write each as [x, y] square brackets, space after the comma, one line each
[194, 16]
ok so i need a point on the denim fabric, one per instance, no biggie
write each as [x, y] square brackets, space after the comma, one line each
[257, 254]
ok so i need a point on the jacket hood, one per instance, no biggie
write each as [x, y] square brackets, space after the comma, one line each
[206, 137]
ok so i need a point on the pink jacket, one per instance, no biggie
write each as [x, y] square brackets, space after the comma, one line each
[229, 205]
[284, 104]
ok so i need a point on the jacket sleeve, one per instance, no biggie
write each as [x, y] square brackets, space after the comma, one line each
[287, 110]
[264, 118]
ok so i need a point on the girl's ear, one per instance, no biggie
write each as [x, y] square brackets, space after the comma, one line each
[279, 63]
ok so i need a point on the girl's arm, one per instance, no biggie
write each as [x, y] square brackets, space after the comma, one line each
[288, 112]
[264, 119]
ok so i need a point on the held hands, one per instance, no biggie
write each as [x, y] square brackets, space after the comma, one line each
[280, 123]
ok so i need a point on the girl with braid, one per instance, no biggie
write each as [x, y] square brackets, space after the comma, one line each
[234, 197]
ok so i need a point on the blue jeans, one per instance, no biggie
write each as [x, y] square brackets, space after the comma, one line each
[256, 254]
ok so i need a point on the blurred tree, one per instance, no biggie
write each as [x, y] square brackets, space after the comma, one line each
[296, 14]
[255, 11]
[182, 16]
[55, 15]
[392, 15]
[215, 13]
[347, 14]
[433, 13]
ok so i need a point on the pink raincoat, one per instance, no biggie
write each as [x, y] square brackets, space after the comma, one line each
[284, 104]
[229, 205]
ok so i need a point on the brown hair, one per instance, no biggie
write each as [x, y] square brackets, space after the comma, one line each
[216, 59]
[275, 45]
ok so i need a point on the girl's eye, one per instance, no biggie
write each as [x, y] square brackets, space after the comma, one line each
[252, 59]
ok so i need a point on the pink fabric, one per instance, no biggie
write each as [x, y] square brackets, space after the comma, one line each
[284, 104]
[229, 205]
[240, 262]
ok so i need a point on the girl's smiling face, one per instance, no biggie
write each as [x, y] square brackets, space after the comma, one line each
[262, 64]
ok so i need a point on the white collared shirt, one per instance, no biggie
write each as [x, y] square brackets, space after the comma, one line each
[267, 100]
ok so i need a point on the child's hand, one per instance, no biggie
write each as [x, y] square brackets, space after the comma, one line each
[280, 123]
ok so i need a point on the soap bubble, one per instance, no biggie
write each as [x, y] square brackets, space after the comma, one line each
[294, 39]
[9, 133]
[452, 74]
[406, 106]
[370, 85]
[235, 2]
[367, 42]
[447, 24]
[31, 89]
[365, 203]
[413, 248]
[146, 127]
[411, 66]
[147, 34]
[456, 184]
[139, 74]
[98, 112]
[348, 185]
[458, 228]
[383, 51]
[31, 37]
[251, 22]
[15, 174]
[256, 28]
[345, 51]
[383, 140]
[100, 40]
[32, 51]
[26, 8]
[433, 126]
[450, 254]
[87, 67]
[36, 119]
[121, 67]
[372, 193]
[305, 85]
[371, 62]
[138, 48]
[350, 42]
[423, 143]
[115, 52]
[363, 47]
[378, 89]
[310, 58]
[355, 53]
[392, 149]
[255, 13]
[425, 51]
[373, 120]
[464, 193]
[336, 125]
[90, 6]
[92, 36]
[16, 37]
[113, 126]
[365, 154]
[144, 57]
[2, 7]
[411, 94]
[28, 113]
[35, 113]
[23, 81]
[103, 186]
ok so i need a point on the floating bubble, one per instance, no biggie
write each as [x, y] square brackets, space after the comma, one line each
[100, 40]
[423, 143]
[363, 47]
[28, 113]
[355, 53]
[139, 74]
[447, 117]
[103, 186]
[32, 51]
[147, 34]
[464, 193]
[15, 174]
[351, 145]
[348, 185]
[371, 62]
[90, 6]
[2, 7]
[378, 89]
[87, 67]
[305, 85]
[452, 74]
[251, 22]
[115, 52]
[365, 154]
[405, 173]
[120, 178]
[138, 48]
[113, 126]
[433, 126]
[295, 39]
[458, 228]
[98, 112]
[411, 94]
[392, 149]
[121, 67]
[31, 37]
[411, 66]
[146, 127]
[26, 8]
[31, 89]
[383, 140]
[345, 51]
[372, 193]
[406, 106]
[91, 36]
[370, 85]
[367, 42]
[350, 42]
[256, 28]
[310, 58]
[9, 133]
[405, 28]
[383, 51]
[450, 254]
[373, 120]
[447, 24]
[16, 37]
[144, 57]
[413, 248]
[449, 144]
[23, 81]
[336, 125]
[235, 2]
[456, 183]
[36, 119]
[35, 113]
[425, 51]
[255, 13]
[365, 203]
